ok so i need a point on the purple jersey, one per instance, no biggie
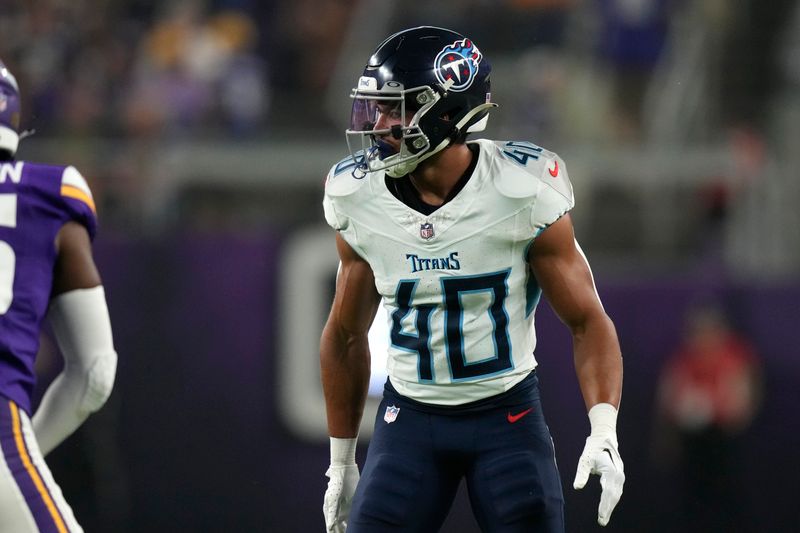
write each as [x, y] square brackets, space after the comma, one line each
[35, 202]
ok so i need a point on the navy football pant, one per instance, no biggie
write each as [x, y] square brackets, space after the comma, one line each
[502, 449]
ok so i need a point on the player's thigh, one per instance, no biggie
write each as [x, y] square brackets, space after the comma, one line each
[30, 500]
[403, 485]
[515, 484]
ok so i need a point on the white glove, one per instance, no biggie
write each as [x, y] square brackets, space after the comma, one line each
[343, 477]
[601, 456]
[339, 496]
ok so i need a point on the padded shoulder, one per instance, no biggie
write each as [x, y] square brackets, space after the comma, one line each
[342, 181]
[73, 185]
[78, 199]
[341, 188]
[523, 169]
[62, 189]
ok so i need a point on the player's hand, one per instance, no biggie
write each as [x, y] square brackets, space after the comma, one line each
[601, 456]
[339, 496]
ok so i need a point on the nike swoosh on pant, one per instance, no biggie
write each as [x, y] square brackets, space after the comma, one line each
[516, 417]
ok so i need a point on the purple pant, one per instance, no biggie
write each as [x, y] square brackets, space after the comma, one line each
[30, 500]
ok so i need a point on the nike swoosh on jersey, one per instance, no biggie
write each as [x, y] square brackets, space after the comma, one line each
[553, 171]
[516, 417]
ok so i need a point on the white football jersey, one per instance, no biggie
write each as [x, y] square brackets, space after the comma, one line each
[459, 295]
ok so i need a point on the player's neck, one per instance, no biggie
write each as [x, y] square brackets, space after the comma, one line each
[436, 177]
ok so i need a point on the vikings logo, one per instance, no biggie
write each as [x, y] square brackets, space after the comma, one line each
[456, 65]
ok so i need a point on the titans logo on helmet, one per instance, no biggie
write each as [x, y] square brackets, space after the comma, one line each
[456, 65]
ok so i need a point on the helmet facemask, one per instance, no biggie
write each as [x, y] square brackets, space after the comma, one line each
[366, 144]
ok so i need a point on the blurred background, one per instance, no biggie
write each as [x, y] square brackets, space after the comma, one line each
[206, 128]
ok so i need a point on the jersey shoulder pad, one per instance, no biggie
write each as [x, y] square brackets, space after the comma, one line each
[536, 167]
[74, 186]
[344, 178]
[63, 189]
[78, 199]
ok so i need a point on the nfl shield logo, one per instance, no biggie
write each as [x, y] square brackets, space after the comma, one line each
[391, 414]
[426, 231]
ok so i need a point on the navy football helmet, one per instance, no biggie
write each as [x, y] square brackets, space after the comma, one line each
[9, 111]
[435, 74]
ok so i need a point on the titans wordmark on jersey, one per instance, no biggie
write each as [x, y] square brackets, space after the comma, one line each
[459, 295]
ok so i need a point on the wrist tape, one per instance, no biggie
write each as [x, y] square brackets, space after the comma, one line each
[603, 418]
[343, 451]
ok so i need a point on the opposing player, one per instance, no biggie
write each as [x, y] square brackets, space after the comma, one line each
[47, 218]
[459, 239]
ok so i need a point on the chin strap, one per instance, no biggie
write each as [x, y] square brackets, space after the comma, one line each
[401, 169]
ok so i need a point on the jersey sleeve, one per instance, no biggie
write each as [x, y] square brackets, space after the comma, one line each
[536, 175]
[344, 196]
[77, 200]
[341, 186]
[328, 202]
[555, 196]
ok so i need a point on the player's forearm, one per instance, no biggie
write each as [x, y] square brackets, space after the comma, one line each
[60, 412]
[345, 371]
[81, 325]
[598, 362]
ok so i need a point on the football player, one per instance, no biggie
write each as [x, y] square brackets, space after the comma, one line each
[47, 221]
[459, 239]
